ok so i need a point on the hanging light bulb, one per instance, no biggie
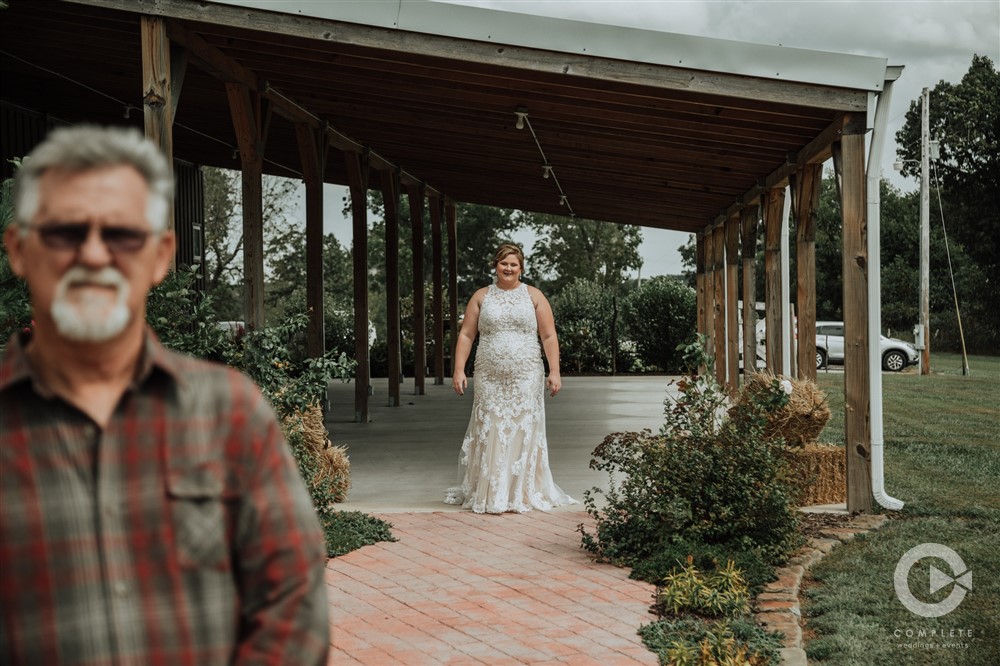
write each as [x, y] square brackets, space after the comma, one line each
[546, 171]
[521, 114]
[562, 200]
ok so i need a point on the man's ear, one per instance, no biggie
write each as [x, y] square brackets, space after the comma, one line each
[164, 256]
[13, 241]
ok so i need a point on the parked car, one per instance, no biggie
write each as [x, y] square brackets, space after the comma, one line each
[896, 354]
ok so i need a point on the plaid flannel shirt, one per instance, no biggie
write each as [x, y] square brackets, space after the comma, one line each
[180, 534]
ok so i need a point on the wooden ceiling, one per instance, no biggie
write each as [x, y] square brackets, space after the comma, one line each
[631, 143]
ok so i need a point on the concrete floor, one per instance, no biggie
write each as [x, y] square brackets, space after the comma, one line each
[403, 460]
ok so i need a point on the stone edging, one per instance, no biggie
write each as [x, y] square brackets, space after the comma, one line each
[777, 607]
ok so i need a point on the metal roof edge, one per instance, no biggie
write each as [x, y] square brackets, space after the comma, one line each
[593, 39]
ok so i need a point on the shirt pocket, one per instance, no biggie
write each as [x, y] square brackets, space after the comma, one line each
[198, 514]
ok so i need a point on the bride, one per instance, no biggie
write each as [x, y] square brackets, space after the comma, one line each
[504, 461]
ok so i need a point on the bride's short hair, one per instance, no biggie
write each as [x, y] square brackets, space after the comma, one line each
[505, 250]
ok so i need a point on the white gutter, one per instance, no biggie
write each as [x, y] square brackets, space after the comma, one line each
[786, 310]
[875, 297]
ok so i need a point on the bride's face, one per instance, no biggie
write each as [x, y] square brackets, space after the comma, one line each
[508, 271]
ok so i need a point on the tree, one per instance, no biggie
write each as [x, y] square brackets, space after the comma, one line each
[224, 233]
[566, 250]
[965, 120]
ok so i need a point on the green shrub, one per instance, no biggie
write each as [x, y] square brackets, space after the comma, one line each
[15, 307]
[176, 301]
[583, 311]
[704, 479]
[721, 592]
[350, 530]
[659, 315]
[689, 641]
[755, 570]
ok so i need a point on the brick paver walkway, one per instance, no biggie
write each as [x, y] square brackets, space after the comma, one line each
[461, 588]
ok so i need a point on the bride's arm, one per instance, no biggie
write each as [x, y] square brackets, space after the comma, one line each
[463, 346]
[550, 342]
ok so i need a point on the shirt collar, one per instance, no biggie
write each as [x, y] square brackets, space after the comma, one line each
[15, 367]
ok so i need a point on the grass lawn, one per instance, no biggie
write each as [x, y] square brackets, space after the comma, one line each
[942, 458]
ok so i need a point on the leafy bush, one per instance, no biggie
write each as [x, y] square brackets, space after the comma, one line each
[690, 642]
[174, 301]
[659, 315]
[704, 478]
[756, 572]
[350, 530]
[583, 311]
[15, 307]
[721, 592]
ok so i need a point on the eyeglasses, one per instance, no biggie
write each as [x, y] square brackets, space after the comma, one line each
[73, 236]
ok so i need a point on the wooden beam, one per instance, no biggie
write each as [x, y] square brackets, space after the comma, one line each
[772, 279]
[809, 182]
[390, 200]
[857, 389]
[719, 303]
[246, 121]
[817, 151]
[732, 231]
[230, 70]
[748, 246]
[452, 230]
[437, 305]
[157, 98]
[357, 174]
[416, 198]
[538, 61]
[312, 153]
[179, 58]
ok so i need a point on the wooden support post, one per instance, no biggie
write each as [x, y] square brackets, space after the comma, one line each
[394, 354]
[857, 389]
[157, 92]
[415, 193]
[452, 229]
[808, 185]
[250, 135]
[748, 243]
[437, 306]
[699, 280]
[772, 279]
[708, 239]
[719, 308]
[357, 176]
[732, 295]
[312, 154]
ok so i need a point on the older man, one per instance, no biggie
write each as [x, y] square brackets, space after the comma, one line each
[150, 510]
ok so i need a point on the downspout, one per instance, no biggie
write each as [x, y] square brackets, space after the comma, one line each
[786, 310]
[875, 294]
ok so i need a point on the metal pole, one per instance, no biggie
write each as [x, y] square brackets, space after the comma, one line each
[925, 231]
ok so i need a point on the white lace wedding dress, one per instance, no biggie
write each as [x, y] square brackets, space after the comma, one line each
[504, 462]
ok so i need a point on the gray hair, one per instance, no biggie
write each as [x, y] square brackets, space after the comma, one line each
[86, 147]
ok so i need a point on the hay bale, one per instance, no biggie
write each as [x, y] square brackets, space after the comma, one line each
[819, 472]
[799, 422]
[332, 464]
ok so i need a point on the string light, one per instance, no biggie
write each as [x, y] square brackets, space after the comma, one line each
[548, 171]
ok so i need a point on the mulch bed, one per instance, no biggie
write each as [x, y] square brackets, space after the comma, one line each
[810, 524]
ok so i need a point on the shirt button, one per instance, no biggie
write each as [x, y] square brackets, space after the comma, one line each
[121, 589]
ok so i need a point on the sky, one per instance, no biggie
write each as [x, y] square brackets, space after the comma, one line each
[934, 41]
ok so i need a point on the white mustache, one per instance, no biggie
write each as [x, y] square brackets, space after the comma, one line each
[106, 277]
